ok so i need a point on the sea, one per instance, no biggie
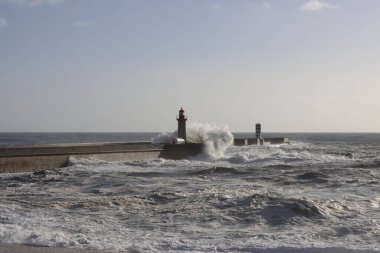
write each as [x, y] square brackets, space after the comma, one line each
[320, 193]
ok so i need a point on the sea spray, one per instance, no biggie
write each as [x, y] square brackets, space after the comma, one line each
[216, 139]
[165, 138]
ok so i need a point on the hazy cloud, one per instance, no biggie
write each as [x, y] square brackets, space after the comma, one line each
[3, 22]
[82, 24]
[266, 5]
[30, 3]
[263, 5]
[215, 6]
[316, 5]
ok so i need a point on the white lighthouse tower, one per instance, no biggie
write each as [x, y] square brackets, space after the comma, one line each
[181, 124]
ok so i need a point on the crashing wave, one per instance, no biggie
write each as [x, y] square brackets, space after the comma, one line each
[216, 139]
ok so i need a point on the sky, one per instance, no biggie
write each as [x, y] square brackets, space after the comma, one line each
[130, 65]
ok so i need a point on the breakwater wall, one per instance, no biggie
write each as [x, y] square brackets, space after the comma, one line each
[39, 157]
[253, 141]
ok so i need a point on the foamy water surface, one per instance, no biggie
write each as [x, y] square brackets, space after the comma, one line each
[309, 194]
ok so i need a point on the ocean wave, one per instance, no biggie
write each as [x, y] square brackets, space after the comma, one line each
[245, 211]
[164, 197]
[314, 176]
[281, 166]
[367, 164]
[282, 210]
[87, 162]
[147, 174]
[25, 179]
[285, 155]
[216, 170]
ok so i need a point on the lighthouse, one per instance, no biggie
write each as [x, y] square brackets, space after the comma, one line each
[181, 124]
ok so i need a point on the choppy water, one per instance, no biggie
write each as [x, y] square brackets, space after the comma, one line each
[304, 195]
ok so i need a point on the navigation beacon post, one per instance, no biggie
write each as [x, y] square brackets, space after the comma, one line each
[259, 139]
[181, 124]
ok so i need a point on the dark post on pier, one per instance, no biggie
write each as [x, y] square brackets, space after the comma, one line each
[260, 140]
[258, 130]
